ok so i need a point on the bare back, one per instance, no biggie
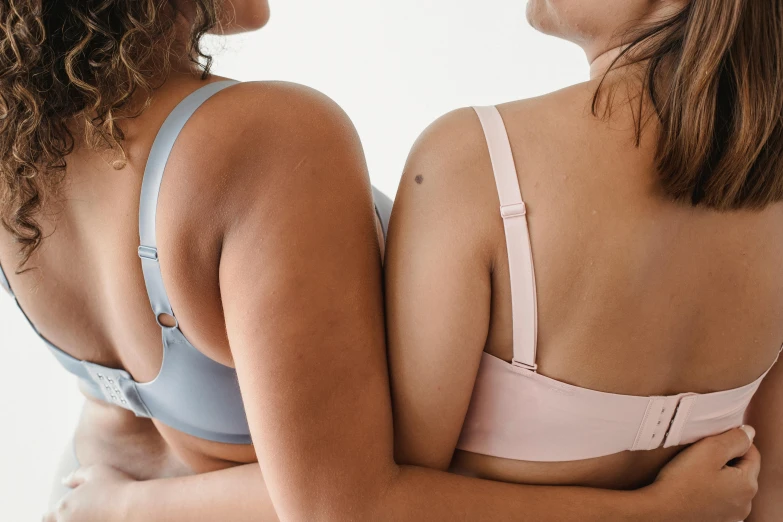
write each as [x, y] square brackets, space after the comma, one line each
[637, 294]
[87, 294]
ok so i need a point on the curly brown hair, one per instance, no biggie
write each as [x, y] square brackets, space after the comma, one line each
[67, 65]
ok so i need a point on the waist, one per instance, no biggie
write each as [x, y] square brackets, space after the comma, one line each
[147, 449]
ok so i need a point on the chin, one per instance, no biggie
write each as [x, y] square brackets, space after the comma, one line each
[251, 20]
[541, 18]
[258, 20]
[536, 15]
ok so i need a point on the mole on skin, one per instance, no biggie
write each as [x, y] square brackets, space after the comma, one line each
[419, 179]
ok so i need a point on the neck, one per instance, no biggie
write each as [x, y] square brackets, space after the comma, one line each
[169, 64]
[180, 60]
[601, 63]
[176, 58]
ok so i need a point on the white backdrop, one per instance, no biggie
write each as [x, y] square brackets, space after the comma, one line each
[394, 67]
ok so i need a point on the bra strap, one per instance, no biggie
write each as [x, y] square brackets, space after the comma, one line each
[520, 255]
[150, 189]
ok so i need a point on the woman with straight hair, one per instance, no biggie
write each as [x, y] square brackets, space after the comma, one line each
[205, 257]
[581, 285]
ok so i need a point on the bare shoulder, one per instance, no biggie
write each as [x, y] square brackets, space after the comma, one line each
[557, 115]
[280, 107]
[453, 150]
[446, 186]
[256, 146]
[263, 174]
[274, 123]
[565, 123]
[449, 181]
[449, 150]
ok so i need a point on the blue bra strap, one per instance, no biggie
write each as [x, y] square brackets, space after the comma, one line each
[150, 189]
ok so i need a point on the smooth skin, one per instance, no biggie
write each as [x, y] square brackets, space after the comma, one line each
[637, 294]
[324, 396]
[766, 412]
[281, 278]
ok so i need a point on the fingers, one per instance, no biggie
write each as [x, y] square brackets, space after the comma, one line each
[750, 463]
[76, 479]
[749, 431]
[730, 445]
[49, 517]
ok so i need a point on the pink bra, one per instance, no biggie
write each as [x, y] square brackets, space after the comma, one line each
[517, 413]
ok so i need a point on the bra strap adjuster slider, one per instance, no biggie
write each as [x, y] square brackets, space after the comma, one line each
[513, 210]
[146, 252]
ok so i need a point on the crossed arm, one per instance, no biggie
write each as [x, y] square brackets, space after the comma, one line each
[300, 281]
[309, 344]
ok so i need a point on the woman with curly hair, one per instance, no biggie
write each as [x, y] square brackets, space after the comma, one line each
[259, 253]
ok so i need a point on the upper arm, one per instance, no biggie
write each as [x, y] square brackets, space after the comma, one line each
[766, 416]
[300, 283]
[438, 287]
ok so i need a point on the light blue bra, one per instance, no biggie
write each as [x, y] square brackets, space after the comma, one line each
[192, 393]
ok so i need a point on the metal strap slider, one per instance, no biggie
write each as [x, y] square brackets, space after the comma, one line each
[146, 252]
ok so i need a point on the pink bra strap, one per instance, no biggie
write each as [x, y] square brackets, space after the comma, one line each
[520, 255]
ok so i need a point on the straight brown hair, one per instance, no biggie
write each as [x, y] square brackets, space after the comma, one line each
[713, 73]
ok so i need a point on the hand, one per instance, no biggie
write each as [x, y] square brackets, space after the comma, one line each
[715, 480]
[99, 495]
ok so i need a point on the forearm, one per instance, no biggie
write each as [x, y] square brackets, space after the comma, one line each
[238, 494]
[422, 494]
